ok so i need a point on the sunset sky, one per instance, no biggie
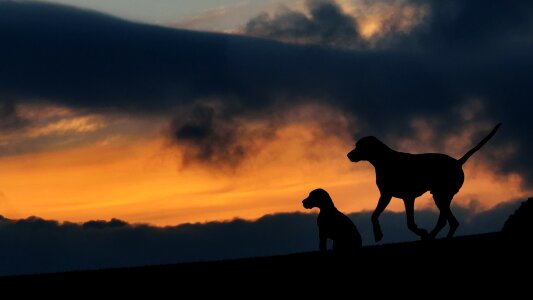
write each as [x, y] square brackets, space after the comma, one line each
[121, 111]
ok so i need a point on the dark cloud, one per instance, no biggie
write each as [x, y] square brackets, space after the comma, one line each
[464, 49]
[209, 137]
[326, 25]
[210, 134]
[472, 24]
[10, 118]
[85, 59]
[35, 245]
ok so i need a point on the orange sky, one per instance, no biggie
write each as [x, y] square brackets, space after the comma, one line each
[140, 180]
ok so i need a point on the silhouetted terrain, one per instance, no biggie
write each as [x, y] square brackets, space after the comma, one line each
[478, 264]
[520, 224]
[34, 245]
[461, 262]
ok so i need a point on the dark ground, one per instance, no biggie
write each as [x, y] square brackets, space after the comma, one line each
[479, 264]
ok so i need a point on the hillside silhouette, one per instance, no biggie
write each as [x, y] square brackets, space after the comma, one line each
[467, 262]
[481, 264]
[520, 224]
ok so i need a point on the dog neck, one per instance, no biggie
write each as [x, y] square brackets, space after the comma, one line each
[328, 209]
[377, 162]
[383, 158]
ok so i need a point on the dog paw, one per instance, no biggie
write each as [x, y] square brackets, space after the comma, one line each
[378, 236]
[424, 235]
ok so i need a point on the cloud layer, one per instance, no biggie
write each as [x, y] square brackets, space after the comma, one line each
[326, 25]
[463, 50]
[35, 245]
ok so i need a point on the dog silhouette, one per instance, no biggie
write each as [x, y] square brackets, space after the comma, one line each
[408, 176]
[332, 224]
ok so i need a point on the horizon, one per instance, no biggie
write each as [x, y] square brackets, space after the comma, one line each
[60, 247]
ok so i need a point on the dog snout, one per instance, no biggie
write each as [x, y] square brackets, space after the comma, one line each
[305, 203]
[352, 156]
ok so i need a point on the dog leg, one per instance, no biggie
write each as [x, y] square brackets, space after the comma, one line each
[323, 241]
[382, 204]
[453, 224]
[410, 213]
[443, 203]
[440, 224]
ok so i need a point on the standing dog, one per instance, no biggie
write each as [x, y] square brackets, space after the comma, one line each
[408, 176]
[333, 224]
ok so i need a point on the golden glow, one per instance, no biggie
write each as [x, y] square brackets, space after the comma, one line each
[369, 28]
[376, 19]
[141, 181]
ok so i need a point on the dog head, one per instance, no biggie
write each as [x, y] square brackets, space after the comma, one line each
[366, 148]
[318, 198]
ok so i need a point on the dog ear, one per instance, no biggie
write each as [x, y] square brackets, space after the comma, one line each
[329, 201]
[326, 199]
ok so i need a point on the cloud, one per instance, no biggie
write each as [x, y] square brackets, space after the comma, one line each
[208, 137]
[343, 24]
[474, 23]
[326, 25]
[222, 18]
[380, 21]
[208, 133]
[463, 50]
[41, 127]
[79, 124]
[35, 245]
[10, 118]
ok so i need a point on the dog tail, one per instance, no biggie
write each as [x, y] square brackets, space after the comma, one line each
[465, 157]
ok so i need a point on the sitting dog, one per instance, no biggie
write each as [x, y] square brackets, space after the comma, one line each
[408, 176]
[333, 224]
